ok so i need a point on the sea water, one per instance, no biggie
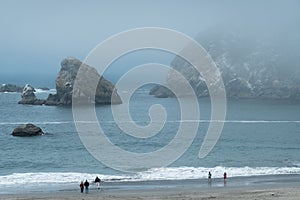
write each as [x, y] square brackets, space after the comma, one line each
[260, 137]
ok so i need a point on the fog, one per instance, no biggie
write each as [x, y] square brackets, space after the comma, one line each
[36, 35]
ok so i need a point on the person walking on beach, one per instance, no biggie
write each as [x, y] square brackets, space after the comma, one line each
[225, 177]
[81, 187]
[97, 182]
[86, 185]
[209, 177]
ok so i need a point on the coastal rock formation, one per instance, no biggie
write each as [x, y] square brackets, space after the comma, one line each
[28, 96]
[105, 93]
[16, 88]
[27, 130]
[251, 67]
[160, 91]
[10, 88]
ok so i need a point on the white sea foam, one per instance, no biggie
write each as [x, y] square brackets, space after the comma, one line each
[37, 90]
[169, 173]
[50, 178]
[11, 92]
[201, 172]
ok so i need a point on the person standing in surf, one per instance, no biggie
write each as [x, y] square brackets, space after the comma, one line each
[97, 182]
[86, 185]
[81, 187]
[225, 177]
[209, 178]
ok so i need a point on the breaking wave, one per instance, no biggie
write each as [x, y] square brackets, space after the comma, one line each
[168, 173]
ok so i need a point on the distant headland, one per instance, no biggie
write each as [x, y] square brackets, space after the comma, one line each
[251, 66]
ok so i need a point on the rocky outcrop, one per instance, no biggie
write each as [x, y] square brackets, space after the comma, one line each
[10, 88]
[105, 93]
[27, 130]
[16, 88]
[251, 67]
[28, 96]
[160, 91]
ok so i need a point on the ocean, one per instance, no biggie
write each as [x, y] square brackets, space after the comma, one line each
[260, 137]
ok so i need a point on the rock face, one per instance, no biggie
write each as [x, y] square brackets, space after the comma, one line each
[251, 67]
[10, 88]
[27, 130]
[161, 92]
[28, 96]
[105, 92]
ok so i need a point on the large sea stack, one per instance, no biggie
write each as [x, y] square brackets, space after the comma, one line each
[105, 93]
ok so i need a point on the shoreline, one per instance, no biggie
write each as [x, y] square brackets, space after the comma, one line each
[261, 187]
[278, 193]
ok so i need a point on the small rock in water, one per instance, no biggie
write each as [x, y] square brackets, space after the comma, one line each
[27, 130]
[28, 96]
[10, 88]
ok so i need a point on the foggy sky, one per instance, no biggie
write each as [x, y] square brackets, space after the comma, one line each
[36, 35]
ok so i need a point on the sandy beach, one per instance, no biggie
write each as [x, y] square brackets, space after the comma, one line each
[290, 193]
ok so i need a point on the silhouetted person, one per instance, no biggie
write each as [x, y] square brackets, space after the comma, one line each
[225, 177]
[97, 182]
[86, 185]
[81, 187]
[209, 179]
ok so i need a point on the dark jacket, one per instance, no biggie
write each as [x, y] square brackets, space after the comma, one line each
[86, 184]
[97, 180]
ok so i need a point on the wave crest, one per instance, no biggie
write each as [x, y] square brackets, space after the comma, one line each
[168, 173]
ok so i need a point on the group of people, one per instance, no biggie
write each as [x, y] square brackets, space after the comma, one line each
[224, 177]
[86, 184]
[97, 181]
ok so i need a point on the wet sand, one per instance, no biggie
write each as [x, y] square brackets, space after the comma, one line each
[290, 193]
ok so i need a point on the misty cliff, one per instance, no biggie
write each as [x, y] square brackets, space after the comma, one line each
[252, 66]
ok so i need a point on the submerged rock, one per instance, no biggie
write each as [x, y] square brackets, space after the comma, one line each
[27, 130]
